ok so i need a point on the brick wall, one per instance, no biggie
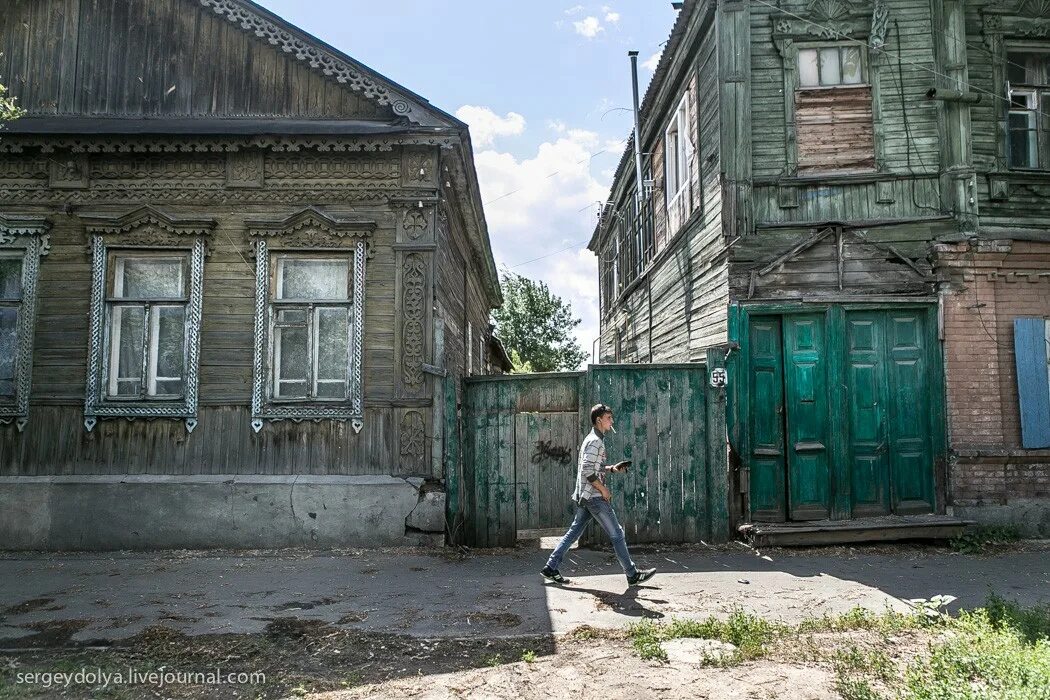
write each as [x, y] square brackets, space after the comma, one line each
[991, 284]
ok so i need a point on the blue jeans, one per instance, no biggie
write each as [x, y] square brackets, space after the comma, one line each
[598, 509]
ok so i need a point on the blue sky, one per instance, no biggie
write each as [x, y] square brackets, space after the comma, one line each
[536, 82]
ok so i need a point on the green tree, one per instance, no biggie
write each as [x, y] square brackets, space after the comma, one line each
[9, 111]
[536, 327]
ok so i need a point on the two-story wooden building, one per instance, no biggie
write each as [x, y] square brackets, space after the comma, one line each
[241, 275]
[851, 196]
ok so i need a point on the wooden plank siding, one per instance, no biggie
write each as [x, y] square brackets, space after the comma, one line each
[683, 291]
[670, 422]
[121, 58]
[835, 130]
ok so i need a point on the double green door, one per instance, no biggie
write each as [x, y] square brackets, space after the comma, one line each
[840, 417]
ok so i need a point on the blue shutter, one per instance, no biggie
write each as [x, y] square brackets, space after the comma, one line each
[1033, 380]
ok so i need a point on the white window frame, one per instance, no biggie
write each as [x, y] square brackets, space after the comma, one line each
[311, 309]
[839, 46]
[1033, 94]
[151, 327]
[26, 239]
[677, 164]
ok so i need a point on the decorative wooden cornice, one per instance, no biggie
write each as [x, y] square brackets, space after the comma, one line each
[147, 216]
[314, 228]
[19, 225]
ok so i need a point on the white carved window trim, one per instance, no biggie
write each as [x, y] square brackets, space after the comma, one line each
[309, 233]
[677, 161]
[143, 231]
[26, 238]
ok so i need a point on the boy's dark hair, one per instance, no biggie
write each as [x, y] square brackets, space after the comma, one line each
[598, 411]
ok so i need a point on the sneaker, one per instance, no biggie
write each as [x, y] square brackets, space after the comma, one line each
[640, 576]
[553, 575]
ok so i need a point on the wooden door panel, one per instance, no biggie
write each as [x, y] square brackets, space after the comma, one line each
[766, 421]
[910, 421]
[545, 452]
[866, 391]
[806, 405]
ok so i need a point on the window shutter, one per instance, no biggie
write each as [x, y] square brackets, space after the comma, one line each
[1031, 341]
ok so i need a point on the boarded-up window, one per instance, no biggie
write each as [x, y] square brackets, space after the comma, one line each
[833, 113]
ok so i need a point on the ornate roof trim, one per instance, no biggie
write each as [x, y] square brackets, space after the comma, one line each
[330, 62]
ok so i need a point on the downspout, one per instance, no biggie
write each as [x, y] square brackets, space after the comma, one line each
[639, 184]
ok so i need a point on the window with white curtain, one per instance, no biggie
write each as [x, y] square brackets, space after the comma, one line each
[146, 325]
[311, 307]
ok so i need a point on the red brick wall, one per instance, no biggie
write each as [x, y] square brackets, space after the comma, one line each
[991, 285]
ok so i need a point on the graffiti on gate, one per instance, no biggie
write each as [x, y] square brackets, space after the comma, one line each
[545, 450]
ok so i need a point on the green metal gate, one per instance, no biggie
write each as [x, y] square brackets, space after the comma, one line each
[521, 433]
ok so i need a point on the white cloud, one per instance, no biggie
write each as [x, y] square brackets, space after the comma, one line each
[552, 208]
[650, 63]
[612, 17]
[486, 125]
[575, 10]
[588, 27]
[556, 125]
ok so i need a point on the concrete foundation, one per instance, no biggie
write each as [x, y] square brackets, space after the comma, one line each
[216, 511]
[1030, 516]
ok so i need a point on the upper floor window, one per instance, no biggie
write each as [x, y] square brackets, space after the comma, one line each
[830, 66]
[1028, 73]
[146, 297]
[23, 240]
[677, 147]
[833, 110]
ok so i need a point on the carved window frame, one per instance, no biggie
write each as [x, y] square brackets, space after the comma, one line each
[28, 237]
[310, 231]
[834, 23]
[143, 230]
[1025, 27]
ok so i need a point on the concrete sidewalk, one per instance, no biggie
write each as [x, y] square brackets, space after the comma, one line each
[49, 599]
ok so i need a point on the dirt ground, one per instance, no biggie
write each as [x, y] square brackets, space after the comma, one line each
[318, 661]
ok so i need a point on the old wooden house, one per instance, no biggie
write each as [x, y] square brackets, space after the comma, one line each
[850, 196]
[241, 275]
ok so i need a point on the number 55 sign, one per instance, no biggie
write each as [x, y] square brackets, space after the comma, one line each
[719, 378]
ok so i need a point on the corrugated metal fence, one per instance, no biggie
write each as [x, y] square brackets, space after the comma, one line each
[520, 435]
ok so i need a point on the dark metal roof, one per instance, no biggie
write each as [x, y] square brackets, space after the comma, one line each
[209, 126]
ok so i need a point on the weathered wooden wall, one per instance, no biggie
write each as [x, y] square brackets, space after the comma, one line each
[677, 306]
[156, 58]
[55, 440]
[669, 422]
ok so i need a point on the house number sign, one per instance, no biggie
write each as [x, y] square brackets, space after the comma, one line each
[719, 378]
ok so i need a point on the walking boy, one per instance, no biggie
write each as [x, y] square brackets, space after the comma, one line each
[592, 498]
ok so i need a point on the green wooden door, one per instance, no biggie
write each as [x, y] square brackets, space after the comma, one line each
[910, 414]
[545, 454]
[868, 398]
[806, 404]
[766, 420]
[881, 428]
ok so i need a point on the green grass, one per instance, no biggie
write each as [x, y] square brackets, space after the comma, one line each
[982, 659]
[750, 634]
[528, 656]
[998, 652]
[980, 538]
